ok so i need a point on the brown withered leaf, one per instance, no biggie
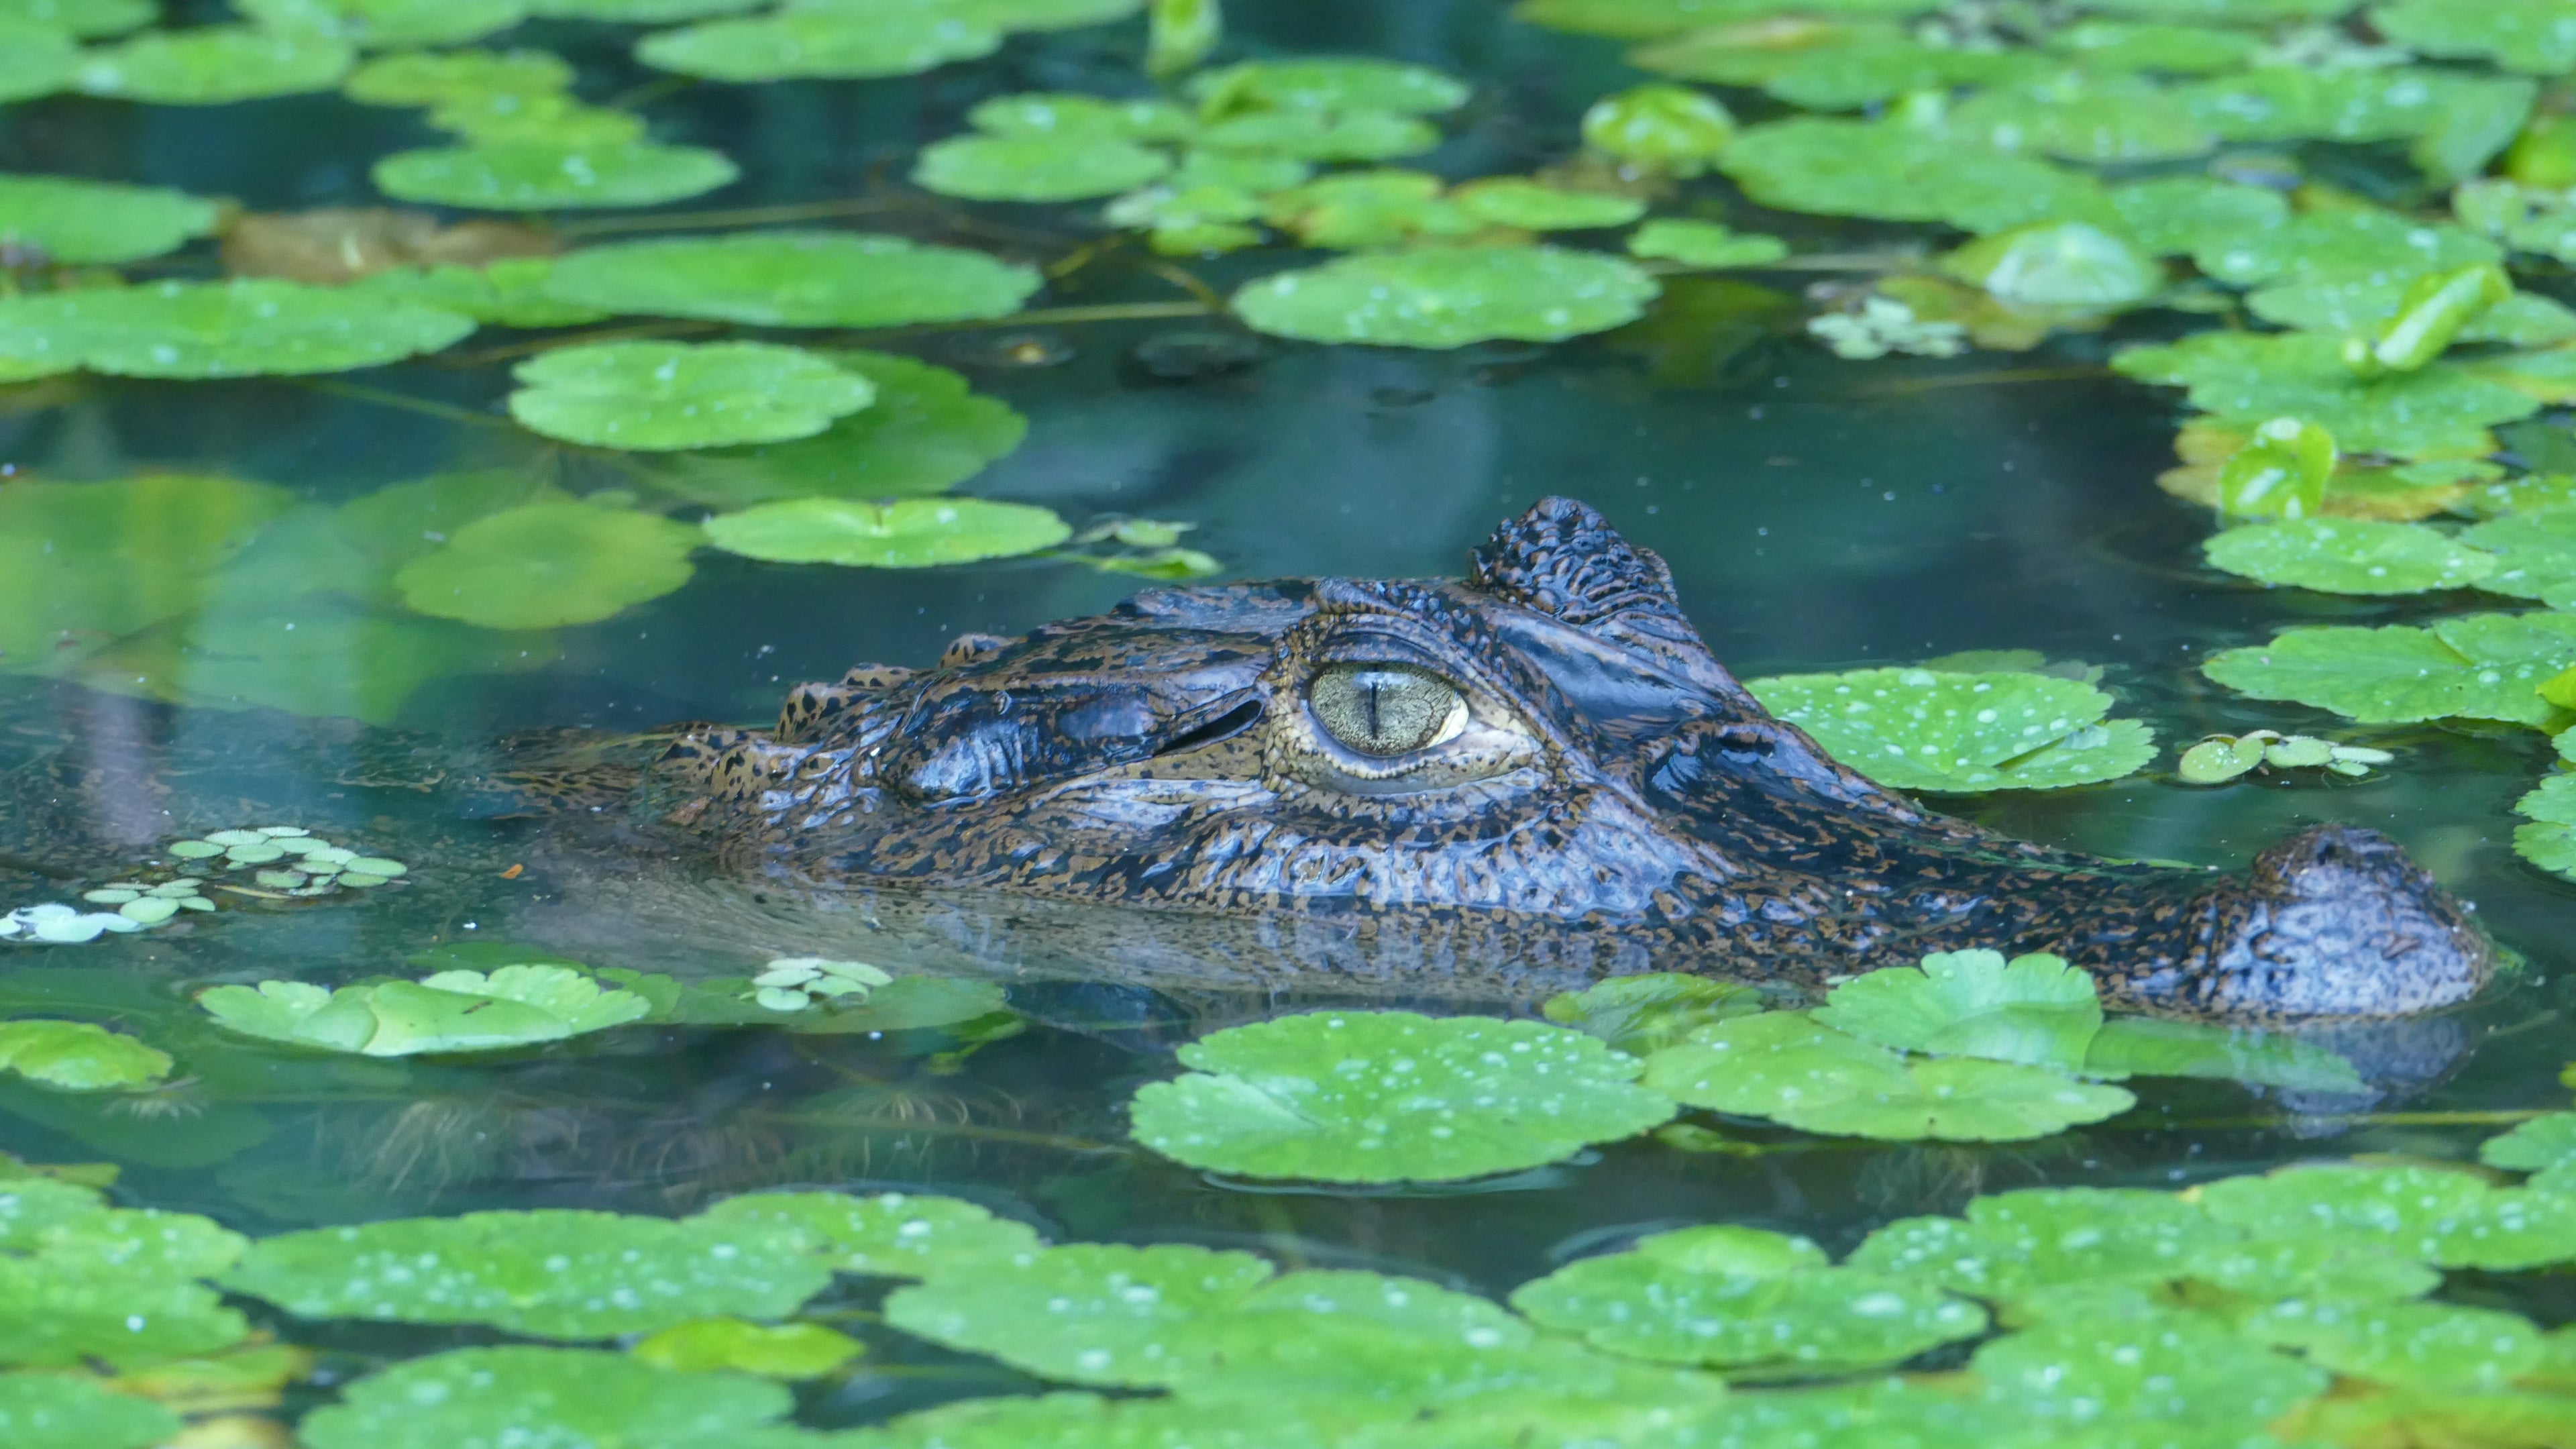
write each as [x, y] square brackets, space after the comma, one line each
[342, 244]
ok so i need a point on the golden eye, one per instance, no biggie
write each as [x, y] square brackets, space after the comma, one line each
[1385, 709]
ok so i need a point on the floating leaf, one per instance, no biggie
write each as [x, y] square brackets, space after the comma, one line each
[1449, 297]
[219, 329]
[1367, 209]
[549, 563]
[665, 396]
[1072, 115]
[83, 222]
[906, 533]
[788, 1351]
[1677, 129]
[1036, 168]
[638, 12]
[509, 293]
[2057, 264]
[1532, 206]
[2015, 1246]
[79, 1056]
[2034, 1008]
[2545, 1147]
[87, 19]
[2440, 411]
[2415, 1345]
[57, 1411]
[525, 1394]
[2339, 242]
[2430, 1215]
[1799, 1072]
[1672, 1299]
[794, 279]
[2350, 556]
[35, 60]
[926, 431]
[2535, 554]
[2084, 116]
[1916, 729]
[544, 178]
[426, 78]
[2474, 666]
[2283, 471]
[889, 1235]
[2534, 36]
[2185, 215]
[1704, 244]
[213, 65]
[1090, 1313]
[1349, 1096]
[2117, 45]
[1327, 85]
[2147, 1379]
[2457, 121]
[1638, 1014]
[388, 24]
[833, 42]
[80, 1280]
[1320, 135]
[1893, 172]
[466, 1011]
[555, 1273]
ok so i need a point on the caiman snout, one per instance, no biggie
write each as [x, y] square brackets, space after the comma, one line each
[2338, 921]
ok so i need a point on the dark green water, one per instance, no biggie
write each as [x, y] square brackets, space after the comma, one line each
[1816, 513]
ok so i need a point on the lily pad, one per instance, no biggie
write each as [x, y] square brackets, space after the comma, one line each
[1036, 168]
[510, 292]
[86, 19]
[2473, 666]
[2545, 1147]
[2080, 115]
[926, 431]
[2437, 1346]
[787, 1351]
[2351, 556]
[2534, 36]
[464, 1011]
[430, 78]
[78, 1056]
[1090, 1313]
[1918, 729]
[834, 42]
[388, 24]
[2034, 1008]
[219, 329]
[1799, 1072]
[1445, 297]
[2146, 1379]
[1893, 172]
[794, 279]
[2246, 379]
[1638, 1014]
[1533, 206]
[80, 1280]
[2342, 242]
[1346, 1096]
[638, 12]
[214, 65]
[564, 1396]
[1073, 115]
[35, 60]
[2058, 264]
[531, 177]
[1677, 129]
[906, 533]
[888, 1235]
[1704, 244]
[2428, 1215]
[666, 396]
[549, 563]
[91, 222]
[1328, 84]
[56, 1411]
[2185, 215]
[554, 1273]
[2015, 1246]
[2535, 555]
[2118, 45]
[1674, 1300]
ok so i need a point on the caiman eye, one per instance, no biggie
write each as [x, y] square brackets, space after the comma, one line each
[1385, 709]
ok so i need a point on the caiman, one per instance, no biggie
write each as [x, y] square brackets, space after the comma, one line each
[1537, 774]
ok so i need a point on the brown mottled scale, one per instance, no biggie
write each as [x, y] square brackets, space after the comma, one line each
[1606, 796]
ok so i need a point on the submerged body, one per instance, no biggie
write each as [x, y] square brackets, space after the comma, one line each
[1542, 760]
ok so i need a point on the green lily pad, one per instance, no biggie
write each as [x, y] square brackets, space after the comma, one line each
[2351, 556]
[551, 1396]
[1796, 1071]
[2435, 1346]
[83, 1281]
[2058, 264]
[1533, 206]
[2474, 666]
[2120, 45]
[1337, 84]
[1671, 1300]
[432, 78]
[1677, 129]
[35, 60]
[1071, 115]
[2534, 36]
[2535, 555]
[88, 222]
[2437, 411]
[507, 293]
[2545, 1147]
[555, 1273]
[2078, 115]
[1704, 244]
[388, 24]
[836, 42]
[1349, 1096]
[2428, 1215]
[78, 1056]
[2148, 1379]
[2457, 120]
[1036, 168]
[1834, 65]
[2034, 1009]
[55, 1411]
[464, 1011]
[926, 431]
[788, 1351]
[638, 12]
[904, 534]
[1917, 729]
[214, 65]
[2014, 1246]
[794, 279]
[1445, 297]
[2185, 215]
[888, 1235]
[1090, 1313]
[1638, 1014]
[548, 563]
[219, 329]
[2348, 241]
[1894, 172]
[530, 177]
[1380, 208]
[666, 396]
[60, 1221]
[86, 19]
[1320, 135]
[2549, 839]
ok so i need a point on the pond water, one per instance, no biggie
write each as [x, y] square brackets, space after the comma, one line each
[1819, 513]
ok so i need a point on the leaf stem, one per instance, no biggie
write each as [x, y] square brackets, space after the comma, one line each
[738, 216]
[384, 397]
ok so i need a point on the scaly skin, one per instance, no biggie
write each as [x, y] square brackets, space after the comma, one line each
[1617, 786]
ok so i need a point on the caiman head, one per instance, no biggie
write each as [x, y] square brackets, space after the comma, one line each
[1545, 745]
